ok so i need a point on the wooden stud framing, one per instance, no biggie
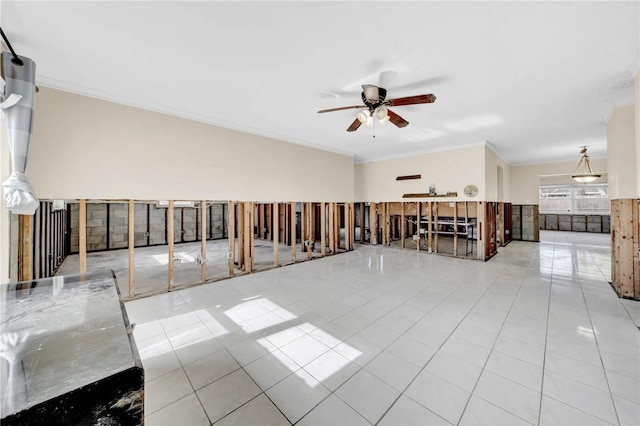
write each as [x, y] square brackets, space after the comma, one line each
[323, 228]
[501, 230]
[248, 237]
[434, 216]
[231, 236]
[170, 241]
[625, 264]
[331, 229]
[240, 220]
[82, 239]
[276, 234]
[132, 244]
[336, 223]
[203, 241]
[352, 226]
[403, 226]
[481, 225]
[455, 228]
[373, 224]
[24, 248]
[387, 224]
[430, 227]
[419, 223]
[362, 220]
[310, 230]
[303, 226]
[294, 237]
[347, 234]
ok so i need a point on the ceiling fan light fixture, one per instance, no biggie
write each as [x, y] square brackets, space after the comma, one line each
[363, 116]
[584, 172]
[382, 113]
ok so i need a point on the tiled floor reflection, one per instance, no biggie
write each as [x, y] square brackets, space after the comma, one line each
[391, 337]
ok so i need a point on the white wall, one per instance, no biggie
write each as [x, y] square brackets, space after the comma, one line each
[492, 162]
[621, 154]
[5, 164]
[88, 148]
[525, 180]
[447, 171]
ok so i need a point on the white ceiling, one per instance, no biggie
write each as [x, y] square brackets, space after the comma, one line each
[536, 80]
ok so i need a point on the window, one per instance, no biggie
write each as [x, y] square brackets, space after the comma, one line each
[575, 199]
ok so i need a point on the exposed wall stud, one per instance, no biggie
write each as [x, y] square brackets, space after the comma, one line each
[132, 244]
[170, 240]
[82, 239]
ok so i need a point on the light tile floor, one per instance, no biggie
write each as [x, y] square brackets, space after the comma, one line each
[385, 336]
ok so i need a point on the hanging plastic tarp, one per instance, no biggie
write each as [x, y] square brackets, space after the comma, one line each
[17, 103]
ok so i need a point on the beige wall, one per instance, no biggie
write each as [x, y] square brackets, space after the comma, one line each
[448, 171]
[621, 153]
[492, 181]
[525, 180]
[87, 148]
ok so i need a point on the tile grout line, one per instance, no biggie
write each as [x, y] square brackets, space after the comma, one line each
[606, 376]
[515, 297]
[546, 333]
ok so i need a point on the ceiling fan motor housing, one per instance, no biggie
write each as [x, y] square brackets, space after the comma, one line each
[373, 96]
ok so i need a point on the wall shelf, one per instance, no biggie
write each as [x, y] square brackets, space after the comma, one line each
[427, 195]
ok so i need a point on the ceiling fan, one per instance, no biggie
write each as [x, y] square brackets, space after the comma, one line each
[376, 104]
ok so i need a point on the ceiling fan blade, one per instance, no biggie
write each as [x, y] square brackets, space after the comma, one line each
[341, 108]
[396, 119]
[411, 100]
[354, 126]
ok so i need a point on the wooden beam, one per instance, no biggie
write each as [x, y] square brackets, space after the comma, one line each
[352, 227]
[428, 195]
[132, 244]
[309, 210]
[347, 235]
[303, 226]
[362, 232]
[403, 226]
[248, 237]
[170, 241]
[419, 224]
[501, 230]
[231, 236]
[373, 224]
[24, 248]
[429, 235]
[435, 227]
[294, 237]
[203, 240]
[323, 228]
[455, 228]
[336, 224]
[82, 239]
[276, 234]
[240, 233]
[331, 229]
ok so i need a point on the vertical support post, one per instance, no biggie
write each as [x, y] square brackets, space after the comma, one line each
[170, 240]
[309, 210]
[455, 228]
[294, 237]
[203, 241]
[24, 248]
[435, 227]
[373, 224]
[248, 237]
[336, 224]
[276, 233]
[303, 226]
[362, 222]
[231, 236]
[323, 228]
[352, 225]
[240, 215]
[419, 222]
[403, 226]
[132, 243]
[429, 227]
[82, 239]
[387, 223]
[347, 235]
[331, 229]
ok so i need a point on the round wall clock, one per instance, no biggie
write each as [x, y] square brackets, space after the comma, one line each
[470, 190]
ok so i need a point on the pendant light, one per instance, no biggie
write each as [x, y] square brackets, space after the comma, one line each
[584, 172]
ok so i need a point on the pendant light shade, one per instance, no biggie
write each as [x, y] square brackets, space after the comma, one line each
[584, 172]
